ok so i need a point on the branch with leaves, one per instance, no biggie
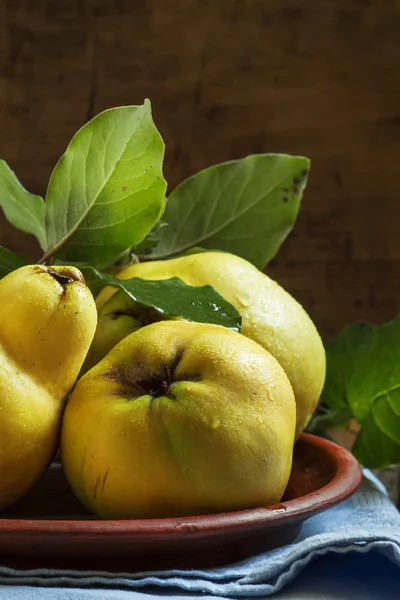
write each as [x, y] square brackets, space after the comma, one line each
[106, 205]
[363, 383]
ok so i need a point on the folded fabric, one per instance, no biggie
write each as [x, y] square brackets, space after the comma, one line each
[364, 530]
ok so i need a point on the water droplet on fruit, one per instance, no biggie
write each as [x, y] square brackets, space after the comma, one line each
[245, 301]
[215, 423]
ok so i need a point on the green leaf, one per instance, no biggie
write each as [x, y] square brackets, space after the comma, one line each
[246, 207]
[174, 298]
[194, 250]
[9, 261]
[363, 374]
[107, 191]
[321, 421]
[23, 210]
[150, 242]
[374, 449]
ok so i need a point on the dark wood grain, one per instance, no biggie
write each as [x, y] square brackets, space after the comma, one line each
[49, 527]
[229, 78]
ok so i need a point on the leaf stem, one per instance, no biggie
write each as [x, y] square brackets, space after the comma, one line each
[51, 252]
[146, 258]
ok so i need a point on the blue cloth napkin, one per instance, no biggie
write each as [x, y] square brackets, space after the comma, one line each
[350, 551]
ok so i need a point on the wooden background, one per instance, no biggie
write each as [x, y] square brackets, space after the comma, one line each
[227, 78]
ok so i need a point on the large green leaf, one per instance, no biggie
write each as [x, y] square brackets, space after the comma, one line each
[22, 209]
[9, 261]
[246, 207]
[363, 374]
[107, 191]
[174, 298]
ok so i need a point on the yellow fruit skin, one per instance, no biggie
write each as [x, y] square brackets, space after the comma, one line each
[46, 328]
[271, 316]
[115, 321]
[119, 317]
[218, 438]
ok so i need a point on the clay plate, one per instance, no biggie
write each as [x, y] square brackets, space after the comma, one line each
[49, 527]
